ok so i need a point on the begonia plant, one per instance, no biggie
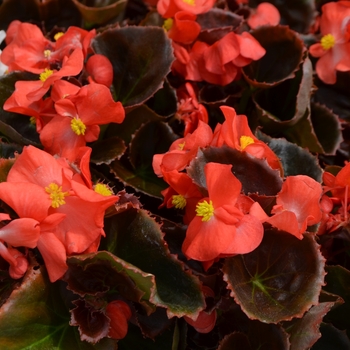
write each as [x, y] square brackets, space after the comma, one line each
[174, 174]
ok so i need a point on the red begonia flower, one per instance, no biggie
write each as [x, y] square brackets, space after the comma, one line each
[189, 110]
[183, 150]
[18, 262]
[205, 321]
[184, 29]
[186, 63]
[264, 14]
[78, 120]
[297, 205]
[168, 8]
[119, 313]
[27, 49]
[182, 193]
[41, 187]
[219, 227]
[235, 133]
[334, 48]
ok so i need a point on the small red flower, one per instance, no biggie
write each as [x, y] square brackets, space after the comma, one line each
[264, 14]
[119, 313]
[184, 28]
[219, 227]
[168, 8]
[334, 48]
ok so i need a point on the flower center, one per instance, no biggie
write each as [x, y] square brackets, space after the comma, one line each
[168, 23]
[205, 209]
[190, 2]
[32, 120]
[245, 141]
[78, 126]
[182, 146]
[178, 201]
[58, 35]
[56, 195]
[327, 41]
[47, 53]
[45, 74]
[103, 189]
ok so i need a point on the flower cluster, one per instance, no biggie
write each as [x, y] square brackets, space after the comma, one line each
[221, 220]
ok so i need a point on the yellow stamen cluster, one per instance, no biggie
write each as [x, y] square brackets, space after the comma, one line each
[190, 2]
[78, 126]
[245, 141]
[327, 41]
[103, 189]
[58, 35]
[168, 23]
[45, 74]
[32, 120]
[178, 201]
[182, 146]
[56, 195]
[205, 209]
[47, 53]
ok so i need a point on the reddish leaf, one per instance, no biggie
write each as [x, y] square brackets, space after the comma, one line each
[279, 280]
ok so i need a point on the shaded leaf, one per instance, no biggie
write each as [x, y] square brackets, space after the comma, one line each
[43, 12]
[327, 128]
[134, 119]
[129, 177]
[141, 58]
[107, 150]
[305, 332]
[338, 282]
[282, 106]
[35, 316]
[100, 12]
[284, 53]
[136, 238]
[102, 272]
[332, 338]
[279, 280]
[255, 174]
[235, 341]
[295, 160]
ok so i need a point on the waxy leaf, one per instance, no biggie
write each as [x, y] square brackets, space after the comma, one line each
[44, 12]
[141, 59]
[338, 282]
[332, 338]
[16, 127]
[305, 332]
[327, 128]
[255, 174]
[284, 53]
[282, 106]
[136, 238]
[279, 280]
[100, 12]
[107, 150]
[36, 317]
[295, 160]
[101, 272]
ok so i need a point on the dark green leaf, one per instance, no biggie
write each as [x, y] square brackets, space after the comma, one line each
[332, 338]
[136, 238]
